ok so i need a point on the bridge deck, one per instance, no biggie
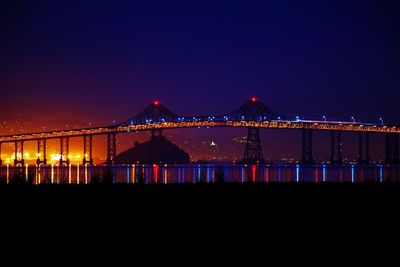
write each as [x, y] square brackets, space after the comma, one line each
[275, 124]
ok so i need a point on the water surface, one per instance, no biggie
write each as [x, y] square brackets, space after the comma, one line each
[194, 173]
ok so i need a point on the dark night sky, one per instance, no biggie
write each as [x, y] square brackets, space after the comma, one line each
[107, 60]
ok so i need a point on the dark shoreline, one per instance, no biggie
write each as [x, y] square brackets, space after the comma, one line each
[163, 204]
[187, 189]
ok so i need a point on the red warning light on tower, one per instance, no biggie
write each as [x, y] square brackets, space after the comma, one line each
[253, 99]
[156, 102]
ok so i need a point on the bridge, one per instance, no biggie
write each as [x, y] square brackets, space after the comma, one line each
[253, 115]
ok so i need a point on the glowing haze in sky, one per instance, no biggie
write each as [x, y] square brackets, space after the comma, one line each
[86, 63]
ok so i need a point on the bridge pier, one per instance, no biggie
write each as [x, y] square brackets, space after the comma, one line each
[363, 148]
[306, 156]
[392, 148]
[253, 152]
[19, 150]
[64, 151]
[111, 148]
[87, 149]
[336, 147]
[41, 151]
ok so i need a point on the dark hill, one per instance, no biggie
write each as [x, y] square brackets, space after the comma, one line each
[157, 150]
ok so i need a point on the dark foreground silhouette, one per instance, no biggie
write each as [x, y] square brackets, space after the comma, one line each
[221, 189]
[214, 206]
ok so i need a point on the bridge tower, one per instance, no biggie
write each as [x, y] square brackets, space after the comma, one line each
[41, 152]
[64, 151]
[253, 110]
[253, 152]
[87, 149]
[111, 148]
[363, 148]
[19, 153]
[392, 148]
[307, 157]
[336, 147]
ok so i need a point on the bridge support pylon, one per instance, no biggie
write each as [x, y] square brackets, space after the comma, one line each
[336, 147]
[253, 152]
[392, 148]
[19, 153]
[306, 156]
[41, 152]
[87, 149]
[64, 151]
[363, 148]
[111, 148]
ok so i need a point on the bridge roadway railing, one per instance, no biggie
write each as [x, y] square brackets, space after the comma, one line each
[274, 124]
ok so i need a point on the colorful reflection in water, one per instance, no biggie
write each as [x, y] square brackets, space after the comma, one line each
[195, 173]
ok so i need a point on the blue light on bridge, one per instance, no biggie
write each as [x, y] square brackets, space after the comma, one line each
[226, 118]
[243, 118]
[297, 118]
[324, 118]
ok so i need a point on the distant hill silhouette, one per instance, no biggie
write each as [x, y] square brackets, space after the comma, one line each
[157, 150]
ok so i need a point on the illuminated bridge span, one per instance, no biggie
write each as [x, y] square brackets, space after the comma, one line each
[252, 115]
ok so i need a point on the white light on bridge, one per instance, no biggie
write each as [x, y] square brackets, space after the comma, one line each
[55, 157]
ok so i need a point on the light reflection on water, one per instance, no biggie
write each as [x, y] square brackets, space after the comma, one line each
[195, 173]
